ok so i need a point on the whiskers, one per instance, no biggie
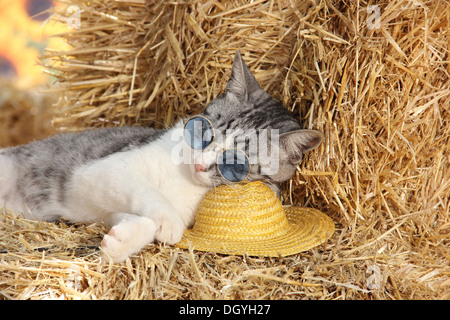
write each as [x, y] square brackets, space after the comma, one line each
[215, 184]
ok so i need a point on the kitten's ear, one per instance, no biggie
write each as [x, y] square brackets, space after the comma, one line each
[296, 143]
[242, 82]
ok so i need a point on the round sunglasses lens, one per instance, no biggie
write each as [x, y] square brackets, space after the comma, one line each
[234, 165]
[198, 133]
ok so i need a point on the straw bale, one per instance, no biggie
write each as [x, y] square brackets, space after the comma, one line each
[379, 92]
[25, 114]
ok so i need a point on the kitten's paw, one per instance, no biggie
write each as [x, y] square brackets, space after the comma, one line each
[170, 228]
[114, 247]
[128, 237]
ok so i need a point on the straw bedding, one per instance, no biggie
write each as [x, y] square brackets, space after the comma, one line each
[379, 92]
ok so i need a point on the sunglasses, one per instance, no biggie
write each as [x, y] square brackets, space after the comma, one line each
[233, 164]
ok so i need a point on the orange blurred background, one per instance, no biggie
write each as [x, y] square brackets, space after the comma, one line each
[24, 34]
[25, 29]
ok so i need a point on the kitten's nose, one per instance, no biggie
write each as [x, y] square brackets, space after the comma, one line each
[199, 167]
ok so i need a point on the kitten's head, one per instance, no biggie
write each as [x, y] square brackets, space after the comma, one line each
[248, 118]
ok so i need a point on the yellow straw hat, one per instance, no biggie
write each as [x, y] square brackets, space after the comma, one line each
[249, 218]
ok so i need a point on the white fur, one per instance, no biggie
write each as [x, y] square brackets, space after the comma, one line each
[144, 193]
[8, 191]
[145, 182]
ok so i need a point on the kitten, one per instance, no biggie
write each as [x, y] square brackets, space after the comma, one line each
[133, 179]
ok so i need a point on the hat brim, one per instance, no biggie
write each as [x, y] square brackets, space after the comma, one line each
[307, 229]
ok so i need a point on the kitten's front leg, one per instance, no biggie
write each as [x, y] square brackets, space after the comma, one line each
[169, 226]
[108, 188]
[129, 234]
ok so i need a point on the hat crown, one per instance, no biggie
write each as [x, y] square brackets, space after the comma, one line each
[237, 212]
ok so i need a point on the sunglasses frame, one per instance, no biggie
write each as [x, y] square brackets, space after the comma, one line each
[215, 143]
